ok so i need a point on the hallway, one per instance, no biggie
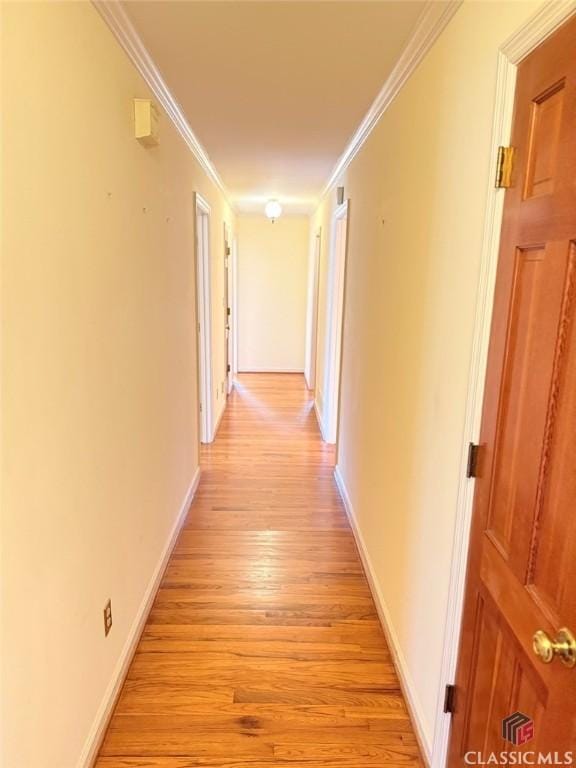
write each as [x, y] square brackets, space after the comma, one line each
[263, 646]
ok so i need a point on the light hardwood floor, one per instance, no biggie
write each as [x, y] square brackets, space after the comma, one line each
[263, 647]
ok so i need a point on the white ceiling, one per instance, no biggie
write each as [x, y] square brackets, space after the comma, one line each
[274, 90]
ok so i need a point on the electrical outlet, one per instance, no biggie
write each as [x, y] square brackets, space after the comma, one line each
[107, 618]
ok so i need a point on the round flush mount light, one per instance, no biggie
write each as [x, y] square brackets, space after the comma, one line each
[273, 209]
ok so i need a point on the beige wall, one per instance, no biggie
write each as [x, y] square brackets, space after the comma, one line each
[272, 292]
[417, 191]
[99, 425]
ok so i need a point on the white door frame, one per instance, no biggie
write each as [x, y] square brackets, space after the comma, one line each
[230, 319]
[234, 299]
[335, 301]
[204, 314]
[548, 18]
[312, 313]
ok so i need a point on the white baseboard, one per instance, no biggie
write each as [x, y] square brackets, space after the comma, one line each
[406, 682]
[268, 369]
[104, 714]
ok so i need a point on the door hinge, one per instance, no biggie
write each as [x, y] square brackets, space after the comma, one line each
[504, 165]
[472, 463]
[449, 699]
[227, 250]
[228, 311]
[227, 369]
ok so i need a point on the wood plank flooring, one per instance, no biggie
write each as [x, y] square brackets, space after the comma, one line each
[263, 647]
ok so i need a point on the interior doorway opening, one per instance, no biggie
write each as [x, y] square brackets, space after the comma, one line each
[335, 300]
[229, 311]
[204, 324]
[312, 313]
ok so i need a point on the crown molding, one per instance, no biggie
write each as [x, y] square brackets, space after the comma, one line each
[543, 23]
[431, 22]
[117, 20]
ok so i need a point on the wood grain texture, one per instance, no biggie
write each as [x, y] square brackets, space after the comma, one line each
[263, 646]
[522, 561]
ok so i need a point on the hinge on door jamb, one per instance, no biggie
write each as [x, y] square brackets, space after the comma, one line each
[449, 699]
[472, 463]
[504, 164]
[227, 250]
[227, 369]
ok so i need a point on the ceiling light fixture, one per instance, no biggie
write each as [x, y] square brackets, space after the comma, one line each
[273, 209]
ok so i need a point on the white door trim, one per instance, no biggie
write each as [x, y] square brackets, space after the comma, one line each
[233, 307]
[312, 313]
[336, 281]
[204, 305]
[548, 18]
[229, 318]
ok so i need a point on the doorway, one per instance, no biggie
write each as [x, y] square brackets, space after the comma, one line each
[204, 315]
[516, 681]
[228, 312]
[234, 308]
[335, 300]
[312, 314]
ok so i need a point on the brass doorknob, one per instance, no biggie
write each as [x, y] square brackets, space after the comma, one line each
[563, 646]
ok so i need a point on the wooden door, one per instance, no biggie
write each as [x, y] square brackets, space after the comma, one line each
[522, 565]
